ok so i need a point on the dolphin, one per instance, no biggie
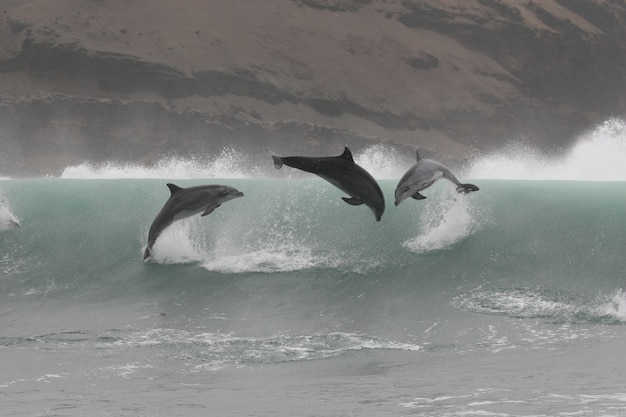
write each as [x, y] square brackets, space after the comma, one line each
[343, 173]
[185, 202]
[422, 175]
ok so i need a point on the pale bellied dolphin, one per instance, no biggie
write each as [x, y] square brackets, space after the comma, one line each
[185, 202]
[343, 173]
[422, 175]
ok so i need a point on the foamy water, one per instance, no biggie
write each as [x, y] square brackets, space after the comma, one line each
[229, 163]
[533, 303]
[229, 253]
[598, 155]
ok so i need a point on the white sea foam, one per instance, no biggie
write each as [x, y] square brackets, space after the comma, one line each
[555, 305]
[228, 164]
[228, 253]
[598, 155]
[208, 351]
[284, 257]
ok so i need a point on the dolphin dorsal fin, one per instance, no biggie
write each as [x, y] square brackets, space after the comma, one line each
[174, 188]
[347, 155]
[417, 154]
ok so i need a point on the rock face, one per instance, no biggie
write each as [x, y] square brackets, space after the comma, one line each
[132, 81]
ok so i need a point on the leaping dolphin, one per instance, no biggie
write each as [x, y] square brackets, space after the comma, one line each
[185, 202]
[422, 175]
[343, 173]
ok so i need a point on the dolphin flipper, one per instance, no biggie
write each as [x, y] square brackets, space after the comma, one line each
[148, 252]
[210, 209]
[353, 201]
[418, 196]
[466, 188]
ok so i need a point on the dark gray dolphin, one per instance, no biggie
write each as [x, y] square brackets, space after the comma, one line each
[422, 175]
[185, 202]
[343, 173]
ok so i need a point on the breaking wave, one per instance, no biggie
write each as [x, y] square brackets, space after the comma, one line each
[229, 163]
[598, 155]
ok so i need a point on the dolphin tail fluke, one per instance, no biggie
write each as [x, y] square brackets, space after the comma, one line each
[466, 188]
[278, 160]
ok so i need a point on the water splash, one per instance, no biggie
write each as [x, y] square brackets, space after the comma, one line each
[8, 220]
[598, 155]
[613, 309]
[445, 222]
[178, 244]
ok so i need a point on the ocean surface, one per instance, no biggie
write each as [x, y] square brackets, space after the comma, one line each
[509, 301]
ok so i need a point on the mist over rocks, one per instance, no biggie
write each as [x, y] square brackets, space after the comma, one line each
[103, 80]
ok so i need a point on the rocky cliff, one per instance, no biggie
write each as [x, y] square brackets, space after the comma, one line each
[135, 80]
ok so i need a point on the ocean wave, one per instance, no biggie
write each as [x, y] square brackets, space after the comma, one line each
[230, 163]
[598, 155]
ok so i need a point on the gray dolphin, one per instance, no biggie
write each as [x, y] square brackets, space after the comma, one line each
[422, 175]
[185, 202]
[343, 173]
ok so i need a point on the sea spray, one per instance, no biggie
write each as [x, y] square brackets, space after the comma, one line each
[445, 219]
[8, 220]
[229, 163]
[179, 244]
[383, 161]
[598, 155]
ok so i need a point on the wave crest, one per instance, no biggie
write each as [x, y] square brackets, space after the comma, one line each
[230, 163]
[598, 155]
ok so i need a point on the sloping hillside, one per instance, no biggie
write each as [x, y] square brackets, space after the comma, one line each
[134, 80]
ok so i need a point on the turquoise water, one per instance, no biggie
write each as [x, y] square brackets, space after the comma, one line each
[508, 301]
